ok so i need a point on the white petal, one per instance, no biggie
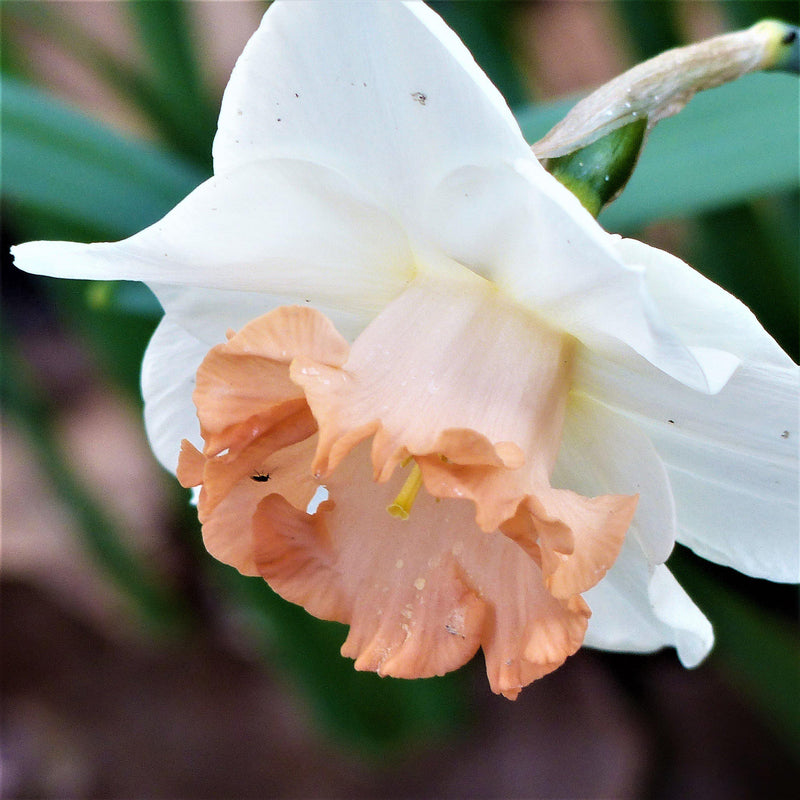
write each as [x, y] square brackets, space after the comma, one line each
[637, 608]
[521, 229]
[732, 458]
[281, 227]
[168, 379]
[604, 453]
[703, 314]
[209, 313]
[693, 634]
[383, 92]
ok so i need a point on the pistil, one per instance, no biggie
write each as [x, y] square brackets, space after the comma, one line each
[400, 508]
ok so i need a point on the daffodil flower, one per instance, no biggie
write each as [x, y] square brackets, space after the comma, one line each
[456, 413]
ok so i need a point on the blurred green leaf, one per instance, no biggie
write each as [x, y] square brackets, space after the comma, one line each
[759, 653]
[485, 27]
[186, 111]
[24, 400]
[650, 28]
[751, 250]
[62, 166]
[168, 91]
[743, 13]
[729, 144]
[536, 119]
[114, 332]
[128, 297]
[13, 58]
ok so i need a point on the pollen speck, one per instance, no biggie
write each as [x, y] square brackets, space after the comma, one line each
[419, 584]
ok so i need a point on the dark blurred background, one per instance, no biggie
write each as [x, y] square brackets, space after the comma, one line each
[133, 665]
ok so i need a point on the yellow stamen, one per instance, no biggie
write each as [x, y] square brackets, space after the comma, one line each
[401, 507]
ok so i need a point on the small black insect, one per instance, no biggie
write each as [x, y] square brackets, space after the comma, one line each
[259, 478]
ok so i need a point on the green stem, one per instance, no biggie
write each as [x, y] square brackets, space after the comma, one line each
[597, 173]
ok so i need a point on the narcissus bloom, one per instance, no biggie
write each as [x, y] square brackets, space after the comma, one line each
[513, 413]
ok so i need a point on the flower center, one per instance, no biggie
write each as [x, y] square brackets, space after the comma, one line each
[400, 508]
